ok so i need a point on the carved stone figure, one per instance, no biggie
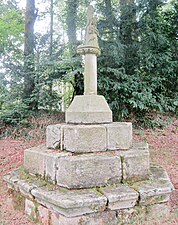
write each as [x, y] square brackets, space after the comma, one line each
[91, 35]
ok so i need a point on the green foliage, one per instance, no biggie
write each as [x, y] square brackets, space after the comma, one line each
[138, 75]
[11, 27]
[15, 114]
[137, 69]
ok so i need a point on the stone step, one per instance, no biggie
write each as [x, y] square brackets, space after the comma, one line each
[90, 169]
[89, 138]
[72, 203]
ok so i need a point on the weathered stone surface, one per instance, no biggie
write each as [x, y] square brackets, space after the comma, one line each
[120, 197]
[88, 109]
[22, 184]
[155, 190]
[43, 215]
[25, 188]
[119, 135]
[51, 164]
[34, 160]
[101, 218]
[53, 136]
[42, 161]
[89, 170]
[71, 203]
[11, 180]
[160, 174]
[84, 138]
[30, 209]
[135, 162]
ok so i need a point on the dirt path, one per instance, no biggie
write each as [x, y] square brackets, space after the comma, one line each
[163, 150]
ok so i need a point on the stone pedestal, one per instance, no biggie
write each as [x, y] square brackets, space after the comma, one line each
[89, 109]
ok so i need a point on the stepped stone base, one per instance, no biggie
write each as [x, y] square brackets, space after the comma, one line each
[88, 109]
[51, 204]
[88, 170]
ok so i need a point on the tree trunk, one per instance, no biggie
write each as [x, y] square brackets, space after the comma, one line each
[72, 37]
[51, 28]
[29, 45]
[71, 24]
[50, 91]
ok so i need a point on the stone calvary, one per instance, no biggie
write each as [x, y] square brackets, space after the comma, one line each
[90, 172]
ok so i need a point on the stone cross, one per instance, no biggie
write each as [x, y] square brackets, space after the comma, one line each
[91, 50]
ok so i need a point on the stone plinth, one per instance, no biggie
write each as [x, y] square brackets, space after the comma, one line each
[71, 203]
[89, 109]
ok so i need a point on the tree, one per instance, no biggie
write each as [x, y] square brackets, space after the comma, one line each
[29, 45]
[71, 20]
[11, 28]
[129, 34]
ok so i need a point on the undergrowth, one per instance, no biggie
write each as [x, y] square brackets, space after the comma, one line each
[30, 128]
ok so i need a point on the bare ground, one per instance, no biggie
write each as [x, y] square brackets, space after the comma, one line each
[163, 149]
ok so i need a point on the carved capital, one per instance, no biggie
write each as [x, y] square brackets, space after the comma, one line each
[87, 49]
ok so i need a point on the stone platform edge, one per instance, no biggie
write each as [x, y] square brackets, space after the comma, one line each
[42, 200]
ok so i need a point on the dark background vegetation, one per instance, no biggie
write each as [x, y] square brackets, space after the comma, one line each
[137, 70]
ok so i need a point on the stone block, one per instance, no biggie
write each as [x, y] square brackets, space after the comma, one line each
[135, 162]
[31, 209]
[43, 215]
[120, 197]
[88, 109]
[101, 218]
[25, 188]
[51, 164]
[71, 203]
[155, 190]
[119, 135]
[34, 160]
[84, 138]
[53, 136]
[91, 170]
[12, 181]
[21, 184]
[42, 161]
[160, 174]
